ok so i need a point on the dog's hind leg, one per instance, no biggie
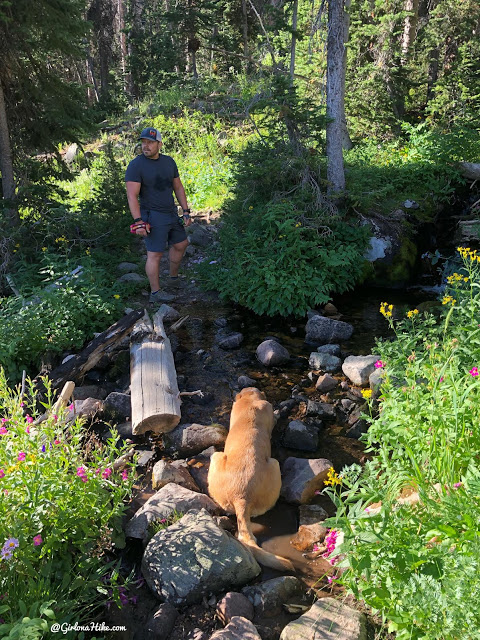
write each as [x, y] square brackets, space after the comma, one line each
[242, 511]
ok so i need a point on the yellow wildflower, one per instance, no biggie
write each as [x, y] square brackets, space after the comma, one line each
[116, 296]
[44, 249]
[448, 300]
[412, 313]
[367, 393]
[332, 478]
[386, 309]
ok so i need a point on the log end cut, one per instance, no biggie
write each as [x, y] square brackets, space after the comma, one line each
[158, 424]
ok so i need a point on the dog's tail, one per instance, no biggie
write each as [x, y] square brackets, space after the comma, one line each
[246, 537]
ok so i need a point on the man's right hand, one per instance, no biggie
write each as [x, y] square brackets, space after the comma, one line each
[144, 232]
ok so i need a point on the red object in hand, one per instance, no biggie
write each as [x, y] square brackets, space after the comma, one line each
[137, 225]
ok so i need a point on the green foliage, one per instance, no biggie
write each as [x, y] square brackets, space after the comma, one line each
[60, 514]
[276, 260]
[417, 562]
[159, 525]
[53, 319]
[420, 166]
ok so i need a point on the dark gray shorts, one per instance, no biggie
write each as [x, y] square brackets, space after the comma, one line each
[165, 230]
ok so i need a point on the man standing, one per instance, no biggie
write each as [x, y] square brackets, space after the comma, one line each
[153, 178]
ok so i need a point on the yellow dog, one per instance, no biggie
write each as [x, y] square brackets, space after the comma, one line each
[244, 479]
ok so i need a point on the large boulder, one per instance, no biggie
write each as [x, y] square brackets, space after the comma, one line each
[195, 557]
[169, 499]
[271, 353]
[190, 439]
[321, 330]
[328, 618]
[359, 368]
[301, 477]
[299, 435]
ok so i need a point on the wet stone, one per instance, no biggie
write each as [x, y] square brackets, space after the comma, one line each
[237, 629]
[324, 362]
[311, 514]
[271, 353]
[245, 381]
[327, 618]
[321, 409]
[300, 436]
[269, 596]
[161, 623]
[231, 341]
[332, 349]
[358, 368]
[325, 383]
[302, 477]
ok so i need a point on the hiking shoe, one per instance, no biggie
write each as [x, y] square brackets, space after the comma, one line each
[160, 296]
[175, 283]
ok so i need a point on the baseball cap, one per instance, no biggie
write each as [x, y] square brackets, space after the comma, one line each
[151, 134]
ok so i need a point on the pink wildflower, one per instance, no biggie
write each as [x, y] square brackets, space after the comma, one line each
[71, 407]
[2, 473]
[4, 420]
[27, 430]
[125, 474]
[57, 442]
[331, 579]
[21, 456]
[378, 364]
[3, 431]
[37, 540]
[457, 485]
[55, 417]
[330, 542]
[107, 473]
[29, 419]
[473, 372]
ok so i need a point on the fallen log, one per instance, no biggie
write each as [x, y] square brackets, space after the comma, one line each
[75, 368]
[153, 379]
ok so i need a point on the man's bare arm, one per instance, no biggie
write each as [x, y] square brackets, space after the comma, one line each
[180, 193]
[133, 191]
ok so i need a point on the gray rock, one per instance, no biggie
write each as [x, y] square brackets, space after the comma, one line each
[118, 405]
[311, 514]
[245, 381]
[332, 349]
[84, 408]
[127, 266]
[321, 330]
[269, 596]
[358, 368]
[160, 625]
[325, 383]
[234, 604]
[193, 558]
[347, 404]
[307, 535]
[232, 341]
[323, 410]
[302, 477]
[358, 429]
[237, 629]
[163, 504]
[169, 313]
[300, 436]
[324, 362]
[71, 153]
[190, 439]
[165, 472]
[131, 277]
[198, 236]
[144, 458]
[89, 391]
[327, 619]
[271, 353]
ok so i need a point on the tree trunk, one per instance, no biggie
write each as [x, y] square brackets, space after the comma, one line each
[335, 93]
[294, 40]
[346, 141]
[123, 42]
[245, 32]
[6, 165]
[410, 28]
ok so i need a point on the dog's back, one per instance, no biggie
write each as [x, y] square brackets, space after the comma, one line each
[245, 479]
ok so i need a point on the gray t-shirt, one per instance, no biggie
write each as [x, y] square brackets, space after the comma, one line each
[156, 178]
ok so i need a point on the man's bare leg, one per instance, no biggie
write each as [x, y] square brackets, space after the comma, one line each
[152, 269]
[175, 256]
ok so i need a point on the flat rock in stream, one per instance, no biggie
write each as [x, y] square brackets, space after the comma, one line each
[231, 341]
[169, 499]
[327, 618]
[193, 558]
[190, 439]
[324, 362]
[301, 436]
[301, 477]
[359, 368]
[321, 330]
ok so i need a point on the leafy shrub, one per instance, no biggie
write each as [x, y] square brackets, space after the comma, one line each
[275, 260]
[418, 564]
[60, 514]
[52, 320]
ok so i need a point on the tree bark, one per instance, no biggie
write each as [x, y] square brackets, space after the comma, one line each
[346, 141]
[335, 102]
[409, 28]
[6, 165]
[245, 32]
